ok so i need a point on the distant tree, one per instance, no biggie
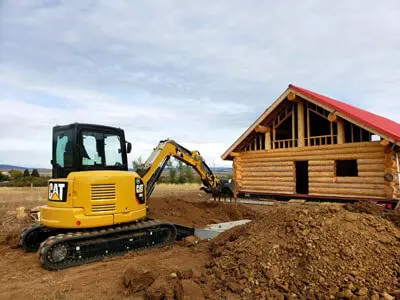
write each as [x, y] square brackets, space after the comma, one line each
[138, 166]
[171, 172]
[35, 173]
[26, 173]
[188, 174]
[181, 172]
[226, 176]
[15, 174]
[4, 177]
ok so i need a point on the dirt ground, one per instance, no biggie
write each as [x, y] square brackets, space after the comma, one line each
[287, 252]
[22, 277]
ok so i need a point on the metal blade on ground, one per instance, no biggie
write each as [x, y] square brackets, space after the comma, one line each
[213, 230]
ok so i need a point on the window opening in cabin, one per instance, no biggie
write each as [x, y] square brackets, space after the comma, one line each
[355, 134]
[346, 168]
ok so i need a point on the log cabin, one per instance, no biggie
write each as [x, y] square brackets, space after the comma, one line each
[306, 145]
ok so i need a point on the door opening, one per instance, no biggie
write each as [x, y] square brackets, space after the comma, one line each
[302, 177]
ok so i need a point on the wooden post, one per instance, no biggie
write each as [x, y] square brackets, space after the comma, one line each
[273, 135]
[300, 124]
[293, 129]
[340, 131]
[308, 125]
[268, 140]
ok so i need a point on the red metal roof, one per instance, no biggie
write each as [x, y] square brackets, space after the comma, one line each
[380, 124]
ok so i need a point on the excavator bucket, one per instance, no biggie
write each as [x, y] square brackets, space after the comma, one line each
[225, 188]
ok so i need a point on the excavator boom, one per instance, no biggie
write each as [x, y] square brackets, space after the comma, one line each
[166, 149]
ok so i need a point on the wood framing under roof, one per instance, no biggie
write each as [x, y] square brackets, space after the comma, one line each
[375, 124]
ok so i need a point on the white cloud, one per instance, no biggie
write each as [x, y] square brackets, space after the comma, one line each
[196, 71]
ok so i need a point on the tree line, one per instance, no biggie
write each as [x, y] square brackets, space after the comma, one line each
[26, 178]
[174, 172]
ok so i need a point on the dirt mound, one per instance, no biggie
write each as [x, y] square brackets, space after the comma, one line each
[366, 207]
[196, 214]
[306, 252]
[394, 217]
[135, 281]
[175, 285]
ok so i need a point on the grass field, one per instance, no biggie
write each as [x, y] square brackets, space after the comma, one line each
[12, 220]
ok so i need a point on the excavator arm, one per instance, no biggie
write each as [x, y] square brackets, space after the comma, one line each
[166, 149]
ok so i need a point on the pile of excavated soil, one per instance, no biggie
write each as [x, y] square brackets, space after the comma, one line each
[369, 207]
[196, 214]
[394, 217]
[366, 207]
[153, 285]
[306, 252]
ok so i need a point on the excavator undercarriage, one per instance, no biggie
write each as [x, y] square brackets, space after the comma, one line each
[61, 248]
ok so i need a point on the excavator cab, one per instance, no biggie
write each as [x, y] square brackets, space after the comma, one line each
[86, 147]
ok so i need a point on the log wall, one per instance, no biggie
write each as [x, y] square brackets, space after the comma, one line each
[274, 171]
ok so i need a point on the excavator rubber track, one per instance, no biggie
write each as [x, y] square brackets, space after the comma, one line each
[66, 250]
[31, 238]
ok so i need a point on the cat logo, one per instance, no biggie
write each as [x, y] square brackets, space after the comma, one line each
[139, 188]
[139, 191]
[58, 191]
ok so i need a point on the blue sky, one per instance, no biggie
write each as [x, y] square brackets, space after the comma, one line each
[199, 72]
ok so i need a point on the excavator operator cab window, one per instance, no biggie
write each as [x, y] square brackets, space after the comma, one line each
[101, 150]
[63, 152]
[64, 155]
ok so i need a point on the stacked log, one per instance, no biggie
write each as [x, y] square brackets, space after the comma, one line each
[235, 173]
[265, 177]
[273, 171]
[390, 169]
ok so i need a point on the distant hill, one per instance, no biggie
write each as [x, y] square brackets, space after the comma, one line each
[5, 167]
[222, 169]
[11, 167]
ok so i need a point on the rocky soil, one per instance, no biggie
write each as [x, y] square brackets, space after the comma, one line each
[307, 252]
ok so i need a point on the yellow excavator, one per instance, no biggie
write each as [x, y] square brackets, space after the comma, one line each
[97, 208]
